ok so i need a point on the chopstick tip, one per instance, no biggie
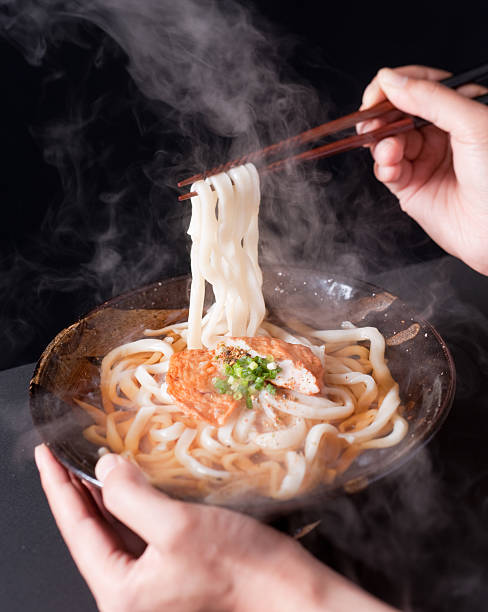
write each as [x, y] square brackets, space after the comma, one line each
[187, 196]
[190, 180]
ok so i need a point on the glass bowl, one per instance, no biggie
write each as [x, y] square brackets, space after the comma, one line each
[417, 356]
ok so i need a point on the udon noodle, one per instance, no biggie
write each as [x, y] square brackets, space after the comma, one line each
[283, 440]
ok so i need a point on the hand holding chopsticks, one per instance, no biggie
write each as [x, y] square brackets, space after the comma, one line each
[381, 109]
[439, 174]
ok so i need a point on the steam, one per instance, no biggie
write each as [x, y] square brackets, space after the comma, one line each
[208, 64]
[209, 81]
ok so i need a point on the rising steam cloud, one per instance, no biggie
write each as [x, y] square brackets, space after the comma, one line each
[206, 61]
[219, 85]
[214, 83]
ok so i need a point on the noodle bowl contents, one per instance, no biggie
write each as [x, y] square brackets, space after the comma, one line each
[228, 403]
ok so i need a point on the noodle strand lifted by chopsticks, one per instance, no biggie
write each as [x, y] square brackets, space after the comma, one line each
[224, 232]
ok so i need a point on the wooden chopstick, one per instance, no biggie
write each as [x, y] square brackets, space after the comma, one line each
[333, 148]
[353, 142]
[314, 134]
[331, 127]
[337, 125]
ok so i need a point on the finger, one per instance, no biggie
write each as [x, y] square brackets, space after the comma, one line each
[129, 496]
[466, 120]
[132, 543]
[369, 125]
[387, 174]
[396, 177]
[96, 496]
[472, 90]
[94, 547]
[389, 151]
[414, 141]
[374, 93]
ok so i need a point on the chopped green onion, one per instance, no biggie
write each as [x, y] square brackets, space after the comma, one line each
[220, 385]
[247, 376]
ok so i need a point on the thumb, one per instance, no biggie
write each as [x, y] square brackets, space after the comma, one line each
[464, 119]
[128, 495]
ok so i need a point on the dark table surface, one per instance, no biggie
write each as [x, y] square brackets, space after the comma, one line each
[36, 570]
[418, 538]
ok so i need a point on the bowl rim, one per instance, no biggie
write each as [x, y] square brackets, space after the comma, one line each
[370, 474]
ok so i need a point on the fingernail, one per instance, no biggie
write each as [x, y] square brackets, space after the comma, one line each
[384, 145]
[364, 126]
[38, 456]
[106, 464]
[366, 101]
[387, 76]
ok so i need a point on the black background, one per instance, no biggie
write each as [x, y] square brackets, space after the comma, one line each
[425, 551]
